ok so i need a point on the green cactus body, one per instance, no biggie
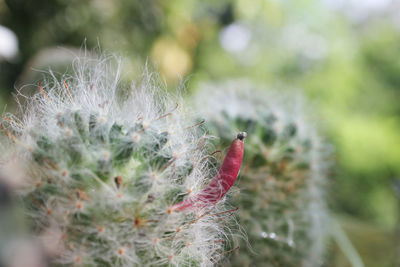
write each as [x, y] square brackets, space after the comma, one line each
[281, 203]
[103, 167]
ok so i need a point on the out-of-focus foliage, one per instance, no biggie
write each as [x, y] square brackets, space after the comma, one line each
[344, 54]
[17, 248]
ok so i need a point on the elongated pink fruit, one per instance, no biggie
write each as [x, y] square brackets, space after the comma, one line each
[222, 182]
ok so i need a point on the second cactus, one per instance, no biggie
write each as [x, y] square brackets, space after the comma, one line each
[281, 201]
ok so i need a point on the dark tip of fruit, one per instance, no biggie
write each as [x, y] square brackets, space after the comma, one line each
[241, 136]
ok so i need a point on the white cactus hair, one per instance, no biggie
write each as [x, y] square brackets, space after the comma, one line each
[221, 103]
[107, 230]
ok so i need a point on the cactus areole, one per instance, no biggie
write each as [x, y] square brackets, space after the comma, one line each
[222, 182]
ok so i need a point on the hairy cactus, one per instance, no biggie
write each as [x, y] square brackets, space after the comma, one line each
[281, 201]
[103, 166]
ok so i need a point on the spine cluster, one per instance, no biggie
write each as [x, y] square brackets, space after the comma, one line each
[103, 166]
[281, 201]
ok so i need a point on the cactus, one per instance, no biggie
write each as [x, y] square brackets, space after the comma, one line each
[103, 166]
[281, 200]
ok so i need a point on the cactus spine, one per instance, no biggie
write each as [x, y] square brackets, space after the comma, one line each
[102, 167]
[281, 202]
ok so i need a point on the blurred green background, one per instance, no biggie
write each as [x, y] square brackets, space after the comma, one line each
[344, 55]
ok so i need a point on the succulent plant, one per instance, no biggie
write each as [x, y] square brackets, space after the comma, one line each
[281, 200]
[103, 165]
